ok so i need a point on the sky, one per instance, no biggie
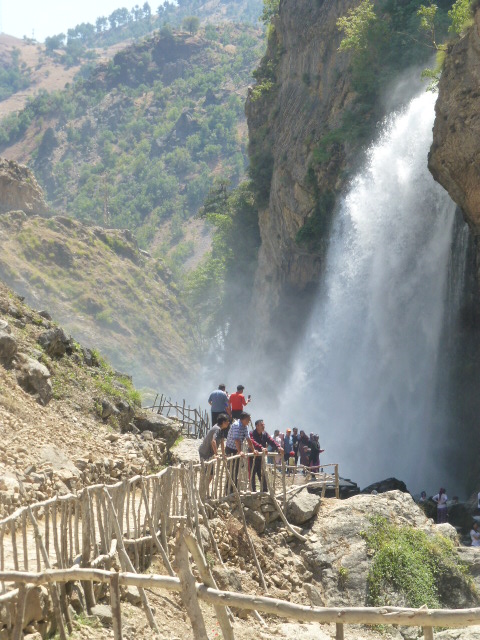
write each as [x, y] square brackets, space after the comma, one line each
[48, 17]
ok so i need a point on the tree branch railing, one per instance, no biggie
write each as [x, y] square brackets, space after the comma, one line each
[195, 422]
[425, 618]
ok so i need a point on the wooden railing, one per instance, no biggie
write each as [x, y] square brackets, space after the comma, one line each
[80, 537]
[195, 422]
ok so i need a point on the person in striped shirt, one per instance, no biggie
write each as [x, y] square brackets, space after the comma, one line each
[236, 436]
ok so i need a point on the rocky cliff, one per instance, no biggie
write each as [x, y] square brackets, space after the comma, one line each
[455, 152]
[311, 89]
[19, 190]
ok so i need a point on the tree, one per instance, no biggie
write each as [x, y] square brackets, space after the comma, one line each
[54, 42]
[356, 26]
[191, 24]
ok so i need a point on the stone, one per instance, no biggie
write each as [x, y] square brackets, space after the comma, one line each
[165, 428]
[19, 189]
[390, 484]
[37, 606]
[34, 378]
[108, 409]
[302, 507]
[55, 342]
[8, 346]
[255, 519]
[103, 612]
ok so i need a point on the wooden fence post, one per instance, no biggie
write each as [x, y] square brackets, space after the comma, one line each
[428, 633]
[337, 483]
[339, 635]
[116, 608]
[189, 592]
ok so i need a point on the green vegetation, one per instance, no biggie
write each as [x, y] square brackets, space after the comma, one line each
[114, 384]
[14, 76]
[411, 564]
[219, 289]
[152, 143]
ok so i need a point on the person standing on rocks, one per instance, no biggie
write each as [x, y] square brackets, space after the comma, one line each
[238, 402]
[441, 500]
[261, 441]
[287, 444]
[233, 446]
[219, 402]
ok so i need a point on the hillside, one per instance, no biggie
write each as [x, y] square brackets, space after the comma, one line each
[104, 291]
[53, 394]
[139, 142]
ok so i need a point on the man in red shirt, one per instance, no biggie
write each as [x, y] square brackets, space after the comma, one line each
[238, 402]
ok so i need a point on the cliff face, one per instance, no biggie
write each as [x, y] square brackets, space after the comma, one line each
[455, 153]
[310, 92]
[19, 191]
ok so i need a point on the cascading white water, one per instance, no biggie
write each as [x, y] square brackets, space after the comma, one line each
[365, 377]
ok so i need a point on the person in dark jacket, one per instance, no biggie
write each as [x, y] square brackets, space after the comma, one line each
[260, 440]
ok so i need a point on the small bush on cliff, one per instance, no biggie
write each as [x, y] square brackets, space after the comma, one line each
[409, 563]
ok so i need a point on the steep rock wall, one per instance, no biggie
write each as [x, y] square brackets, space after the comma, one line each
[19, 190]
[311, 91]
[455, 153]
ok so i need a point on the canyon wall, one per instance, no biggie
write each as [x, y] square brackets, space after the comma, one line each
[310, 92]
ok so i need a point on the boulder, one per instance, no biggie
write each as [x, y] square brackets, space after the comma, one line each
[34, 378]
[55, 342]
[37, 606]
[103, 612]
[302, 507]
[8, 346]
[160, 426]
[255, 519]
[390, 484]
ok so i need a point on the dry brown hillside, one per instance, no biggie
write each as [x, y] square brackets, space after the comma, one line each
[46, 73]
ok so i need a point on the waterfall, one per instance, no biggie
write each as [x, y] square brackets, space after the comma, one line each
[366, 375]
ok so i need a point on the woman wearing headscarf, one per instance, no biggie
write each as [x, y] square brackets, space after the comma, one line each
[441, 500]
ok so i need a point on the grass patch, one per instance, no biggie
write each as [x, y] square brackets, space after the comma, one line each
[412, 565]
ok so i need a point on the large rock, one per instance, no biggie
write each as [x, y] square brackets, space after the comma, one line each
[19, 190]
[8, 346]
[160, 426]
[453, 158]
[302, 507]
[55, 342]
[336, 551]
[390, 484]
[34, 377]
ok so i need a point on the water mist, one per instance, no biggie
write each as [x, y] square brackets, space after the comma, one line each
[366, 375]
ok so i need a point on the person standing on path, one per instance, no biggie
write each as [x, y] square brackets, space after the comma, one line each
[219, 402]
[304, 450]
[238, 402]
[296, 441]
[260, 440]
[214, 438]
[287, 444]
[233, 446]
[441, 500]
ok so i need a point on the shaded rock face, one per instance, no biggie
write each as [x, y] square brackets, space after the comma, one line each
[390, 484]
[455, 152]
[285, 125]
[19, 191]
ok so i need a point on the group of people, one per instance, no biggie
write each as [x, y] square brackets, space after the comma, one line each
[441, 500]
[230, 429]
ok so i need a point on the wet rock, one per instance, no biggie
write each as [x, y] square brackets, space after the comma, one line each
[390, 484]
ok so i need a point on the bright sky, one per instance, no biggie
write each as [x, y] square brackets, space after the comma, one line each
[49, 17]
